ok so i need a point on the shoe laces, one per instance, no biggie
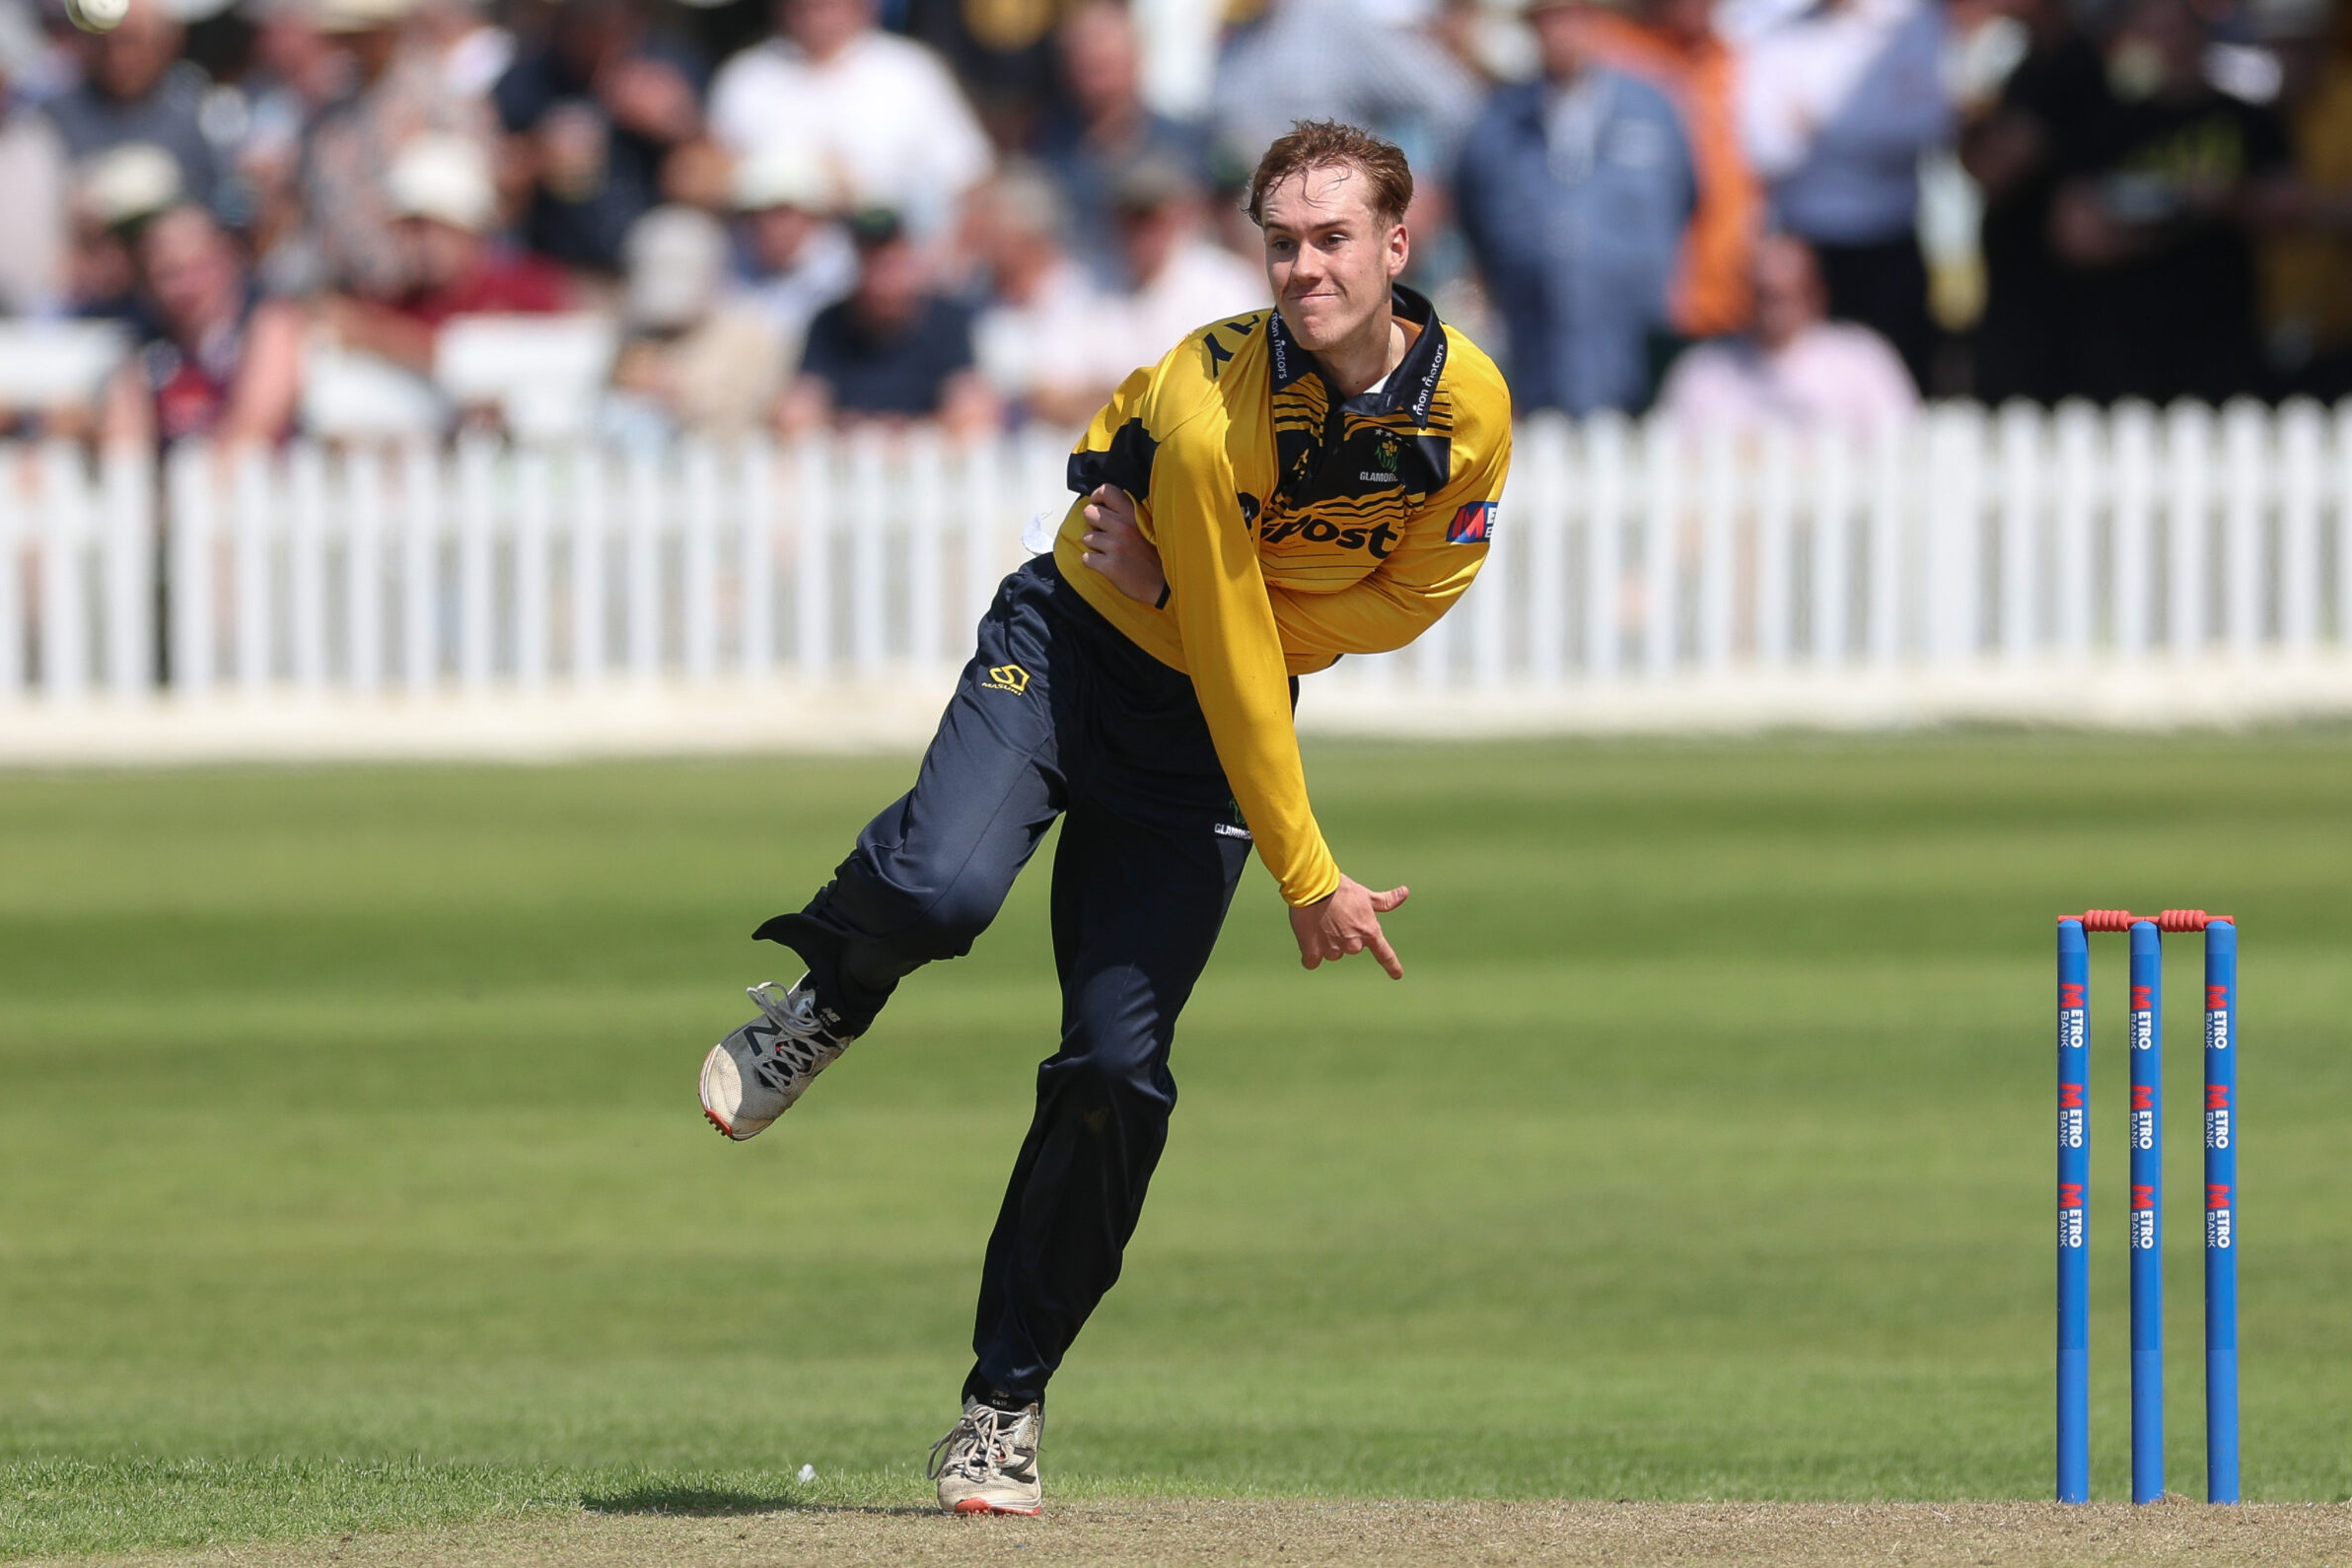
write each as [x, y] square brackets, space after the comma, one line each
[975, 1445]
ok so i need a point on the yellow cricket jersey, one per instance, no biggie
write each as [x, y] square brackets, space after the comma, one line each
[1293, 528]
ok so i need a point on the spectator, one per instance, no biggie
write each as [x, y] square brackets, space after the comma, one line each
[2310, 274]
[592, 115]
[118, 191]
[2163, 185]
[1177, 277]
[35, 242]
[399, 94]
[220, 363]
[1335, 59]
[444, 206]
[1795, 367]
[880, 112]
[796, 259]
[696, 359]
[1100, 124]
[1039, 339]
[2011, 152]
[298, 73]
[1837, 104]
[893, 350]
[1673, 45]
[1575, 191]
[1002, 54]
[135, 87]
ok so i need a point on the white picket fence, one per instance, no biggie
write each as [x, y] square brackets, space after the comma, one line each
[2135, 565]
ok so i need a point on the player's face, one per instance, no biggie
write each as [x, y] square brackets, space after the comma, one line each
[1330, 256]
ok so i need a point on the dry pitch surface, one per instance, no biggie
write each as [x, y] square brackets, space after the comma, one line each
[1179, 1533]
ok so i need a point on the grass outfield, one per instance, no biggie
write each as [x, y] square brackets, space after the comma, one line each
[351, 1176]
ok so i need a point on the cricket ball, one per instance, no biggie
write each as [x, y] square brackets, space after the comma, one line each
[97, 16]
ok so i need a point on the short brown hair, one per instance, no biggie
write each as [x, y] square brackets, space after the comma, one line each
[1327, 144]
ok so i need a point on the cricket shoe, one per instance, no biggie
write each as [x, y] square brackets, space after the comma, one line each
[753, 1075]
[989, 1465]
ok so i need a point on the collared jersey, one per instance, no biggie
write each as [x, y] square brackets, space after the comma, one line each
[1293, 528]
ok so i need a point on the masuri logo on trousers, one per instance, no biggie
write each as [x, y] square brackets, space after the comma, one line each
[1008, 677]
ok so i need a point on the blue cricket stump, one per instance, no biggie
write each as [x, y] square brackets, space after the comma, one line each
[2074, 1203]
[2221, 1212]
[2145, 1214]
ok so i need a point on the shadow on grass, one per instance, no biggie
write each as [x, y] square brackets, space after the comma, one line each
[721, 1502]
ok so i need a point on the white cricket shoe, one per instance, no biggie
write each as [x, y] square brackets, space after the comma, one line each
[989, 1465]
[753, 1075]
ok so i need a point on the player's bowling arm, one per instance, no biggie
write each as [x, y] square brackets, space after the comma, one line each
[1218, 596]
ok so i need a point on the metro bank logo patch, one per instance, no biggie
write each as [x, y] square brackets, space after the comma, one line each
[1473, 524]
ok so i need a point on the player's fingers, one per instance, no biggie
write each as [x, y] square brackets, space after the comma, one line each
[1388, 957]
[1355, 944]
[1383, 903]
[1307, 961]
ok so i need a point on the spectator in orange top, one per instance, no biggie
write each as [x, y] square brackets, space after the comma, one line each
[1673, 45]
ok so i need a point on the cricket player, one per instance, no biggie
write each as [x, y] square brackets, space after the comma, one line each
[1282, 488]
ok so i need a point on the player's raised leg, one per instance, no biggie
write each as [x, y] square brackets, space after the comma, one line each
[927, 876]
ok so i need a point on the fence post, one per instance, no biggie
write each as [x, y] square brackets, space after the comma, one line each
[190, 570]
[1833, 517]
[642, 593]
[2024, 466]
[477, 504]
[2248, 459]
[2132, 462]
[812, 581]
[1719, 506]
[1884, 606]
[1605, 488]
[2188, 496]
[1545, 522]
[1776, 532]
[590, 488]
[420, 571]
[2080, 453]
[2299, 439]
[128, 475]
[1659, 508]
[12, 547]
[699, 611]
[252, 527]
[755, 470]
[306, 561]
[534, 526]
[363, 474]
[926, 566]
[870, 519]
[65, 537]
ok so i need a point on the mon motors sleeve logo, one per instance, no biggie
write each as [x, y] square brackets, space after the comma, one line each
[1473, 524]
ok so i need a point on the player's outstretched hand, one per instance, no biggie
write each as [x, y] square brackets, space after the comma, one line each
[1347, 921]
[1117, 547]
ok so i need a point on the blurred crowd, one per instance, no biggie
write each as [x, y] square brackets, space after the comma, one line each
[985, 212]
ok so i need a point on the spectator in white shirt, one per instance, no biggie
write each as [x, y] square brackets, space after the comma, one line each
[1177, 278]
[882, 113]
[1038, 340]
[1796, 368]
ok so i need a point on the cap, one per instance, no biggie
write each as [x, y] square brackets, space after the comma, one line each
[362, 16]
[444, 177]
[1151, 182]
[783, 174]
[127, 182]
[871, 227]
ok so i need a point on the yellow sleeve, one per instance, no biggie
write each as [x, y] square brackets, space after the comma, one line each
[1217, 593]
[1440, 551]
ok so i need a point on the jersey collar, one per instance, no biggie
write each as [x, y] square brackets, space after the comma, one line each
[1411, 386]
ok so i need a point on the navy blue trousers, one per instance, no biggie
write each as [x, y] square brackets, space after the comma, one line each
[1057, 714]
